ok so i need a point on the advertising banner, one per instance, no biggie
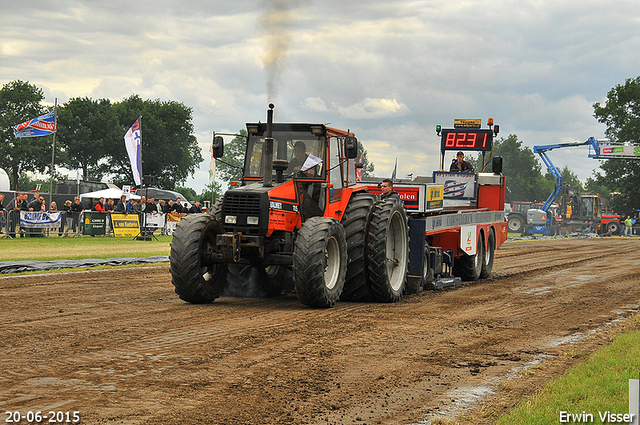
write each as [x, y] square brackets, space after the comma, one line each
[154, 220]
[95, 223]
[172, 221]
[456, 185]
[125, 225]
[39, 220]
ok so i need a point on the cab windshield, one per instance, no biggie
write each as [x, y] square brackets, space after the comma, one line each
[305, 154]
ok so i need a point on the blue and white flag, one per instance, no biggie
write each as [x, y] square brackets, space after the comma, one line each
[40, 126]
[133, 143]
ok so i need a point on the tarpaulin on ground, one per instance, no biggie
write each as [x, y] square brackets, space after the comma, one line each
[26, 266]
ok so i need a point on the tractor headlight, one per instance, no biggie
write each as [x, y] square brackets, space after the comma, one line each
[252, 220]
[230, 219]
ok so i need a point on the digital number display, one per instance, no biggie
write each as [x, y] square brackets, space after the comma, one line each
[467, 139]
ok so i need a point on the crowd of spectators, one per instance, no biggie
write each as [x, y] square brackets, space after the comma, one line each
[71, 210]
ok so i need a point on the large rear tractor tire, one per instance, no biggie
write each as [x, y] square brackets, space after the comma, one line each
[388, 251]
[195, 280]
[469, 267]
[356, 221]
[489, 253]
[320, 262]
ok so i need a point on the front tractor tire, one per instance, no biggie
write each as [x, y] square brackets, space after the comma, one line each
[355, 221]
[195, 280]
[320, 262]
[388, 251]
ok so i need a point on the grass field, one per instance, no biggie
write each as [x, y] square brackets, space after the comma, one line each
[53, 248]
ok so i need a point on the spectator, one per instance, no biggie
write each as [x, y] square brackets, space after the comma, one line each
[109, 208]
[2, 214]
[53, 208]
[143, 204]
[177, 207]
[195, 208]
[99, 206]
[77, 208]
[168, 207]
[161, 206]
[628, 224]
[121, 206]
[36, 204]
[131, 206]
[23, 207]
[13, 215]
[151, 206]
[68, 217]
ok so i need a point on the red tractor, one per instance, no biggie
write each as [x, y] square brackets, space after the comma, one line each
[298, 213]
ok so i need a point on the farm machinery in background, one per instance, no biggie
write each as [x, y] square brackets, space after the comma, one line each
[576, 209]
[299, 221]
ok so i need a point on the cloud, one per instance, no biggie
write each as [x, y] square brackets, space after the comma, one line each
[389, 71]
[373, 109]
[315, 104]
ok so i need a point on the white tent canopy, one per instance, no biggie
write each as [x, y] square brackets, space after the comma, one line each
[108, 193]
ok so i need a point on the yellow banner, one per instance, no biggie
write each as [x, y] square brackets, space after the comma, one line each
[125, 225]
[175, 218]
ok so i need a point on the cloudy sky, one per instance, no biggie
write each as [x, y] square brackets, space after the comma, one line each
[387, 70]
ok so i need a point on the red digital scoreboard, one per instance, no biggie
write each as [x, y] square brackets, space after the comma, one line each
[470, 139]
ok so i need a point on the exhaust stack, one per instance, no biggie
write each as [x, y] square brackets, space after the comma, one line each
[267, 178]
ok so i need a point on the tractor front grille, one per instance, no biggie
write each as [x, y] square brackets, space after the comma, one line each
[243, 205]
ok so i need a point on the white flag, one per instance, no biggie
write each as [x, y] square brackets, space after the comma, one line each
[133, 142]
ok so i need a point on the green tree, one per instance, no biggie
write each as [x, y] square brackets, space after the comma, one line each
[367, 167]
[86, 129]
[234, 152]
[170, 151]
[188, 192]
[19, 102]
[621, 115]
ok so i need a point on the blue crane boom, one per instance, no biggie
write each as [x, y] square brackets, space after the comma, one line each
[541, 150]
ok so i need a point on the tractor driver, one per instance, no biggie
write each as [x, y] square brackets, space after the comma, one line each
[299, 157]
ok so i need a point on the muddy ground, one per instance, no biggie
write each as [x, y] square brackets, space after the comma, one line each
[118, 346]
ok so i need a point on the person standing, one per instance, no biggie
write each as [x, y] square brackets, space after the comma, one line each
[195, 208]
[121, 206]
[177, 207]
[460, 165]
[387, 190]
[2, 214]
[99, 206]
[68, 219]
[628, 224]
[76, 209]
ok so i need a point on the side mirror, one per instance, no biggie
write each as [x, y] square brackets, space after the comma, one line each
[351, 147]
[218, 146]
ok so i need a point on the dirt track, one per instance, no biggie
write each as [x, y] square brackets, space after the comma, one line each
[120, 347]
